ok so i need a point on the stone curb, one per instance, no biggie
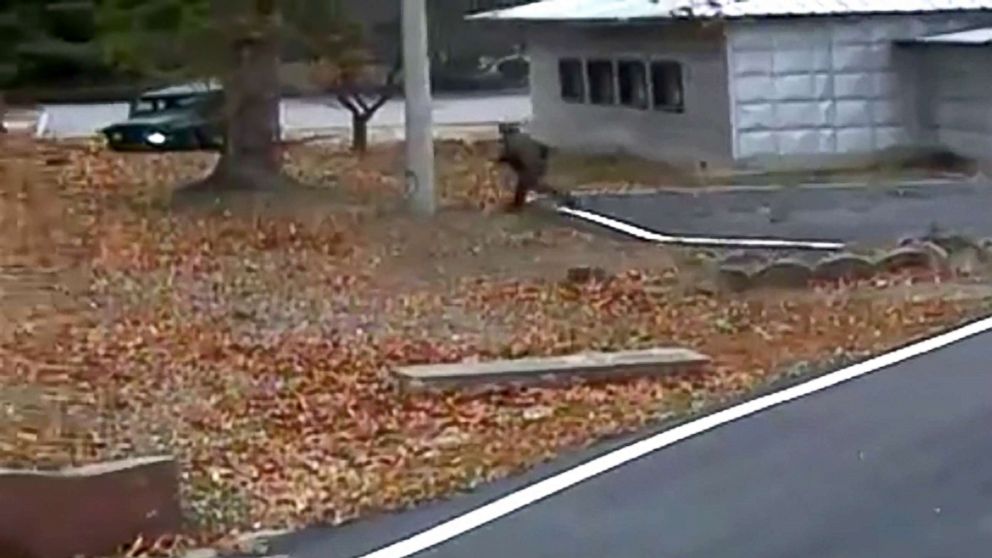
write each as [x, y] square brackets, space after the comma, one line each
[783, 274]
[91, 510]
[844, 267]
[954, 254]
[591, 366]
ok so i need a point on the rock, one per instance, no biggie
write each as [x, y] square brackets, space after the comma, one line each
[744, 259]
[952, 243]
[701, 257]
[734, 270]
[844, 266]
[908, 240]
[732, 278]
[968, 261]
[913, 256]
[786, 273]
[585, 274]
[938, 256]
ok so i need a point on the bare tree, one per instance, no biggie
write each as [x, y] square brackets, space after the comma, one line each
[362, 89]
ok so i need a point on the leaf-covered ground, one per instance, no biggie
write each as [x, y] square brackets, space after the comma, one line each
[256, 343]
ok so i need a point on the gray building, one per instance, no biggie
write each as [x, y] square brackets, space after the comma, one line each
[739, 82]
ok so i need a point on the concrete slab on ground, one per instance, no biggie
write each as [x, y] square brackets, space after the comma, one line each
[586, 366]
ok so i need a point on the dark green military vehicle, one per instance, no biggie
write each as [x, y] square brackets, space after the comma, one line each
[177, 118]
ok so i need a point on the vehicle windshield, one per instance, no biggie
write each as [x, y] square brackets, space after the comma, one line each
[148, 105]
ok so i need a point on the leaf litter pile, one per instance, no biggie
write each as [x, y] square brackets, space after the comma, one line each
[256, 346]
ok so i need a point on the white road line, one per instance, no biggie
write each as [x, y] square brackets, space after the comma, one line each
[651, 236]
[571, 477]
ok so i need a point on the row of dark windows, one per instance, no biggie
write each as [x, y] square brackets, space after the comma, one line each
[630, 83]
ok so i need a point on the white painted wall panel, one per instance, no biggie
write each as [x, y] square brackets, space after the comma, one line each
[757, 116]
[751, 141]
[839, 85]
[854, 140]
[851, 113]
[853, 86]
[755, 63]
[701, 133]
[891, 136]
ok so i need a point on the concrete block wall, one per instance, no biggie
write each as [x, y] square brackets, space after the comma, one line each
[829, 86]
[700, 133]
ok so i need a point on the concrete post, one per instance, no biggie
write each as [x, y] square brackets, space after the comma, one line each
[418, 117]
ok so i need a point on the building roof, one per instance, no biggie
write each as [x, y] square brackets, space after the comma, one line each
[626, 10]
[976, 37]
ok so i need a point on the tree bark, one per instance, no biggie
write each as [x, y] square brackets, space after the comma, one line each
[360, 132]
[250, 159]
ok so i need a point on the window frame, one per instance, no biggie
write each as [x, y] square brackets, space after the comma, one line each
[676, 108]
[645, 76]
[602, 62]
[583, 97]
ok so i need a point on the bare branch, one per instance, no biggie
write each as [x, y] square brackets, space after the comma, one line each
[348, 104]
[383, 99]
[360, 101]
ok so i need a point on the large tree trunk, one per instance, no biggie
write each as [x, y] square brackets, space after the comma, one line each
[250, 160]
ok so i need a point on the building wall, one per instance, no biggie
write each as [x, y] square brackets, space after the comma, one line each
[831, 86]
[958, 91]
[701, 133]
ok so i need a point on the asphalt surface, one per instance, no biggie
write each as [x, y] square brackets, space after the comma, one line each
[845, 214]
[300, 116]
[896, 463]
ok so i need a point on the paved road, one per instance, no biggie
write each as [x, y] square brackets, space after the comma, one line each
[298, 115]
[896, 463]
[855, 214]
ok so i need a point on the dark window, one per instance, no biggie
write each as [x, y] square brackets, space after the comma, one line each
[602, 85]
[666, 83]
[573, 88]
[147, 105]
[633, 83]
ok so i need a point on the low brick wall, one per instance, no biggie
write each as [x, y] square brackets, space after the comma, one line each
[90, 510]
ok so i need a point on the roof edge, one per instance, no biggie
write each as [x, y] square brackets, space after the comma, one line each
[707, 12]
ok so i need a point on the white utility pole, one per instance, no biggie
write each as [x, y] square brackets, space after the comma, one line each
[419, 121]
